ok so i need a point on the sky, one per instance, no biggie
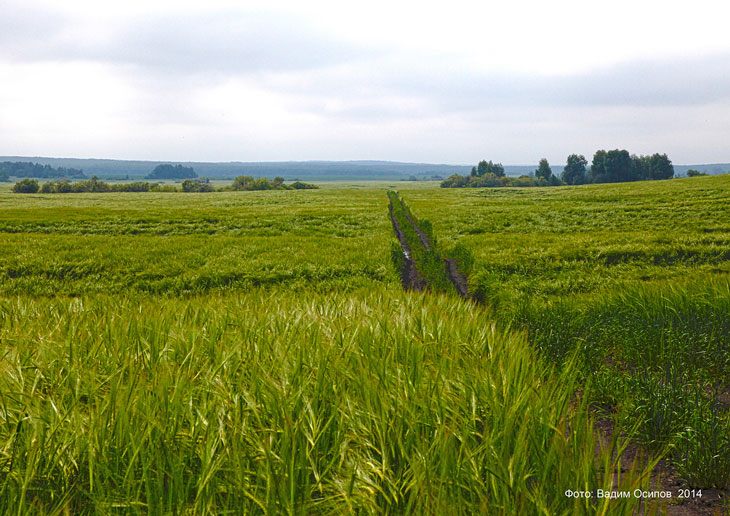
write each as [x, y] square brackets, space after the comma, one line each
[416, 81]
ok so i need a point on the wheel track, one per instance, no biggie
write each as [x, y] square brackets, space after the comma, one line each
[410, 276]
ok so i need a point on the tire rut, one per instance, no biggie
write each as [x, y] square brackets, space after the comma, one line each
[410, 278]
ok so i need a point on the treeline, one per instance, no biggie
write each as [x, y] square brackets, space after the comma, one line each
[95, 185]
[29, 169]
[617, 166]
[614, 166]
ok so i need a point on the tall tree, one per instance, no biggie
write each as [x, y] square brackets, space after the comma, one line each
[497, 169]
[611, 167]
[483, 168]
[543, 169]
[661, 167]
[487, 167]
[597, 172]
[574, 172]
[618, 166]
[640, 168]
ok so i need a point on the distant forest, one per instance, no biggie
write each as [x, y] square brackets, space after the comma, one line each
[291, 170]
[29, 169]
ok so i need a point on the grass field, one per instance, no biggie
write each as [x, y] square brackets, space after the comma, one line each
[254, 353]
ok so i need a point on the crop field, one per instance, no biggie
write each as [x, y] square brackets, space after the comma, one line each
[255, 352]
[187, 244]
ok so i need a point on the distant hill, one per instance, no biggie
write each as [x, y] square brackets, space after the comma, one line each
[311, 170]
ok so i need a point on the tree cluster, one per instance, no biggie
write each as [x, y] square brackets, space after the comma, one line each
[4, 176]
[167, 171]
[616, 166]
[487, 167]
[29, 169]
[488, 174]
[695, 173]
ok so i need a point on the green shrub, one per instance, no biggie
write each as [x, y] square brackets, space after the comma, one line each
[26, 186]
[197, 185]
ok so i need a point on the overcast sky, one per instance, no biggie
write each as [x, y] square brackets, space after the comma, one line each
[444, 82]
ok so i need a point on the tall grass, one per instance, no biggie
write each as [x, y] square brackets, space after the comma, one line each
[658, 355]
[370, 403]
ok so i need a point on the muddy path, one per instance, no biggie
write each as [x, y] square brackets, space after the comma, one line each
[457, 278]
[410, 276]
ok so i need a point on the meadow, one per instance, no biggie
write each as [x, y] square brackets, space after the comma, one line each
[254, 352]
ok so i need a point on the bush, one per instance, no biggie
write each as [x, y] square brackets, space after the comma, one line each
[298, 185]
[64, 187]
[26, 186]
[262, 183]
[197, 185]
[48, 187]
[695, 173]
[242, 183]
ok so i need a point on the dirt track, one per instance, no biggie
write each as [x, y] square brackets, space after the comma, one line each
[410, 278]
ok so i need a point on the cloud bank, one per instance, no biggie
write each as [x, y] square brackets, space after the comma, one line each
[254, 84]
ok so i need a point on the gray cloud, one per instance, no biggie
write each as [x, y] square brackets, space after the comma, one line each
[226, 45]
[223, 43]
[365, 81]
[677, 82]
[410, 87]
